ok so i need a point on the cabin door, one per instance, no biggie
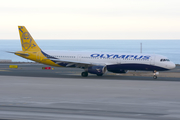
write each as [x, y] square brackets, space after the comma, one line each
[152, 60]
[78, 57]
[118, 60]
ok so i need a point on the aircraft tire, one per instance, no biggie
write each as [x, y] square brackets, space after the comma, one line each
[84, 74]
[155, 77]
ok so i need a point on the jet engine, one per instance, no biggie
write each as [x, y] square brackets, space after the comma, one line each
[99, 70]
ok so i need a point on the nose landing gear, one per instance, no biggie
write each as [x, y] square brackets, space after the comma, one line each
[155, 74]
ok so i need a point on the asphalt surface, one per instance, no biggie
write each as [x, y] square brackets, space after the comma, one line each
[30, 93]
[35, 70]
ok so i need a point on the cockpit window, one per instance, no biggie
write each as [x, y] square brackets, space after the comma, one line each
[162, 60]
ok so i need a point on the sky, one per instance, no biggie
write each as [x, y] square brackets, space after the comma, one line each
[91, 19]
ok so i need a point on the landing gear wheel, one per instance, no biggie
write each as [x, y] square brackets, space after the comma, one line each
[99, 74]
[155, 77]
[84, 74]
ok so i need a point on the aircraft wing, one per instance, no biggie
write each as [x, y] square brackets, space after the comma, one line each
[78, 64]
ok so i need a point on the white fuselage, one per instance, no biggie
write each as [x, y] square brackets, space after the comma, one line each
[126, 61]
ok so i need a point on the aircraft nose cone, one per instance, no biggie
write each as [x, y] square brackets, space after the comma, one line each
[172, 66]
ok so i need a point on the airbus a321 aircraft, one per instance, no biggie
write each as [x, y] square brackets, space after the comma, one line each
[92, 62]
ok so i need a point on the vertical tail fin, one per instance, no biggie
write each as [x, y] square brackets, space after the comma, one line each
[27, 42]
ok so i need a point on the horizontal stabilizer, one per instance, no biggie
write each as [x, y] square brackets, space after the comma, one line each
[23, 54]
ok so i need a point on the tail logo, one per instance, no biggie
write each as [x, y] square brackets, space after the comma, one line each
[26, 40]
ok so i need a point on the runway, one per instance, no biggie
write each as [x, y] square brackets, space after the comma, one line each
[35, 70]
[32, 93]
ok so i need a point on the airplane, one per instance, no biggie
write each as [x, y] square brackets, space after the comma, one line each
[92, 62]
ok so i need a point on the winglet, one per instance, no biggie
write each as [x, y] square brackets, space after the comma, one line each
[27, 41]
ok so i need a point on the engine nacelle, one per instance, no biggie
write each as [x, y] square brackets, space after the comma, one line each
[97, 69]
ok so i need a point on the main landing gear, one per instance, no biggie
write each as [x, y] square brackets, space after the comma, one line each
[155, 74]
[84, 74]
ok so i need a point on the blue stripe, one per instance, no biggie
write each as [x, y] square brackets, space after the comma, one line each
[117, 67]
[48, 56]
